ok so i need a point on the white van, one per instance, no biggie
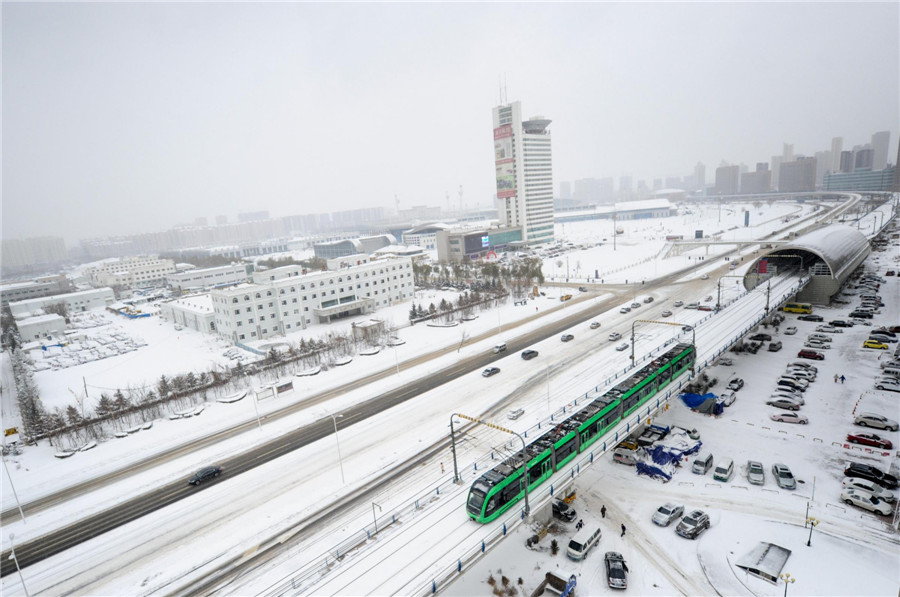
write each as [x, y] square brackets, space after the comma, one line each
[702, 464]
[891, 371]
[500, 347]
[582, 542]
[724, 470]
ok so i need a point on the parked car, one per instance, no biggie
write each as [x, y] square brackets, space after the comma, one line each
[567, 337]
[882, 337]
[727, 398]
[810, 317]
[829, 329]
[736, 384]
[806, 353]
[774, 346]
[615, 336]
[784, 403]
[205, 474]
[677, 303]
[790, 330]
[563, 511]
[820, 338]
[529, 354]
[791, 395]
[783, 476]
[623, 346]
[816, 345]
[595, 325]
[887, 385]
[865, 500]
[840, 323]
[877, 490]
[625, 456]
[876, 421]
[490, 371]
[756, 474]
[616, 571]
[870, 439]
[874, 344]
[692, 525]
[667, 513]
[865, 471]
[761, 337]
[666, 313]
[789, 418]
[800, 373]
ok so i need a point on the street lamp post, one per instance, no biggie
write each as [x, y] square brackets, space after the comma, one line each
[15, 495]
[812, 524]
[12, 556]
[338, 440]
[787, 578]
[374, 517]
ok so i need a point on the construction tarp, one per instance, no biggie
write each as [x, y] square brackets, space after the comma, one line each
[706, 403]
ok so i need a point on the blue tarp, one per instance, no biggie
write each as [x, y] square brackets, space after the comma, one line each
[707, 403]
[695, 400]
[644, 468]
[668, 455]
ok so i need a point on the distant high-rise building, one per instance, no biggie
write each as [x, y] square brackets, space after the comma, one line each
[221, 220]
[626, 187]
[594, 190]
[758, 182]
[846, 163]
[700, 176]
[880, 146]
[837, 144]
[200, 221]
[607, 187]
[863, 159]
[565, 190]
[896, 186]
[787, 152]
[776, 170]
[798, 176]
[524, 166]
[673, 182]
[727, 180]
[657, 184]
[823, 163]
[253, 216]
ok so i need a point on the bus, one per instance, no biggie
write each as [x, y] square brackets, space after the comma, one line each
[797, 308]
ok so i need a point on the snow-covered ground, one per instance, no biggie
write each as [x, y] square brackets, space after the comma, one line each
[169, 548]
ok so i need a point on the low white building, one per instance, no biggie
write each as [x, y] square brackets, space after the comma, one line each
[210, 277]
[132, 272]
[287, 299]
[195, 312]
[41, 326]
[75, 302]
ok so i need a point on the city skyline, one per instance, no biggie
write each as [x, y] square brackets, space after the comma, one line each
[208, 109]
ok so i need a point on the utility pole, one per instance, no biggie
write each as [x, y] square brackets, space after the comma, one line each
[768, 292]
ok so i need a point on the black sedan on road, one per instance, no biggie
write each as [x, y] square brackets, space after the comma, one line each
[205, 474]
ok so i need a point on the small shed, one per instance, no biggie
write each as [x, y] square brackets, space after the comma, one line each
[766, 561]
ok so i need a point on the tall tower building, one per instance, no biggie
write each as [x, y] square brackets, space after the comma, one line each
[880, 143]
[787, 152]
[523, 161]
[837, 145]
[700, 176]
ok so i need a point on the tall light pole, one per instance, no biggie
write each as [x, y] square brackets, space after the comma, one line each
[12, 556]
[812, 524]
[787, 578]
[15, 495]
[375, 518]
[338, 440]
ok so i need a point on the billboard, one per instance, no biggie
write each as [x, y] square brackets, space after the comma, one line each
[503, 160]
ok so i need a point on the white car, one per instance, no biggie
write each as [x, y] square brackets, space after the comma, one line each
[864, 499]
[874, 488]
[888, 385]
[816, 345]
[789, 417]
[615, 336]
[790, 330]
[622, 346]
[776, 395]
[820, 337]
[728, 398]
[828, 329]
[677, 303]
[595, 325]
[667, 313]
[704, 277]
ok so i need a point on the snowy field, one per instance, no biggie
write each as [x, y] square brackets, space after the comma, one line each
[737, 525]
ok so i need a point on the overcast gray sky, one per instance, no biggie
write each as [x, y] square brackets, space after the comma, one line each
[135, 117]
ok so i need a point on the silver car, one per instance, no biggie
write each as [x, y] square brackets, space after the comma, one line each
[665, 514]
[864, 484]
[756, 474]
[783, 476]
[876, 421]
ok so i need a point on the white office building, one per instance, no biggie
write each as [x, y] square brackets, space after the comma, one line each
[209, 277]
[132, 272]
[523, 161]
[75, 302]
[288, 299]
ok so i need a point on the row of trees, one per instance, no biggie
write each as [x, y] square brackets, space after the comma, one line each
[520, 273]
[466, 303]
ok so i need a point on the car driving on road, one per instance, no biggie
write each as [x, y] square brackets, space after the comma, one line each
[615, 336]
[616, 571]
[529, 354]
[490, 371]
[205, 474]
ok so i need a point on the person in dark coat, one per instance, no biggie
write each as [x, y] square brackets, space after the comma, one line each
[603, 511]
[623, 529]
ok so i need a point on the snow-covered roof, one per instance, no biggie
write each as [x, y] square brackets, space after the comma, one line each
[839, 246]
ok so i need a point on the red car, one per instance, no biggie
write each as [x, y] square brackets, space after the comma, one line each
[869, 439]
[811, 354]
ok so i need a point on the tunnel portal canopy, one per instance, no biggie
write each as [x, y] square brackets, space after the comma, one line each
[829, 255]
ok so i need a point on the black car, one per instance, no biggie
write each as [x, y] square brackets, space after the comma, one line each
[563, 511]
[205, 474]
[616, 570]
[861, 314]
[693, 524]
[811, 317]
[529, 354]
[864, 471]
[761, 337]
[840, 323]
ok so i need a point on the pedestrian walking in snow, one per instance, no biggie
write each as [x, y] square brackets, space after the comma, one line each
[442, 468]
[623, 529]
[579, 524]
[835, 378]
[843, 378]
[603, 511]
